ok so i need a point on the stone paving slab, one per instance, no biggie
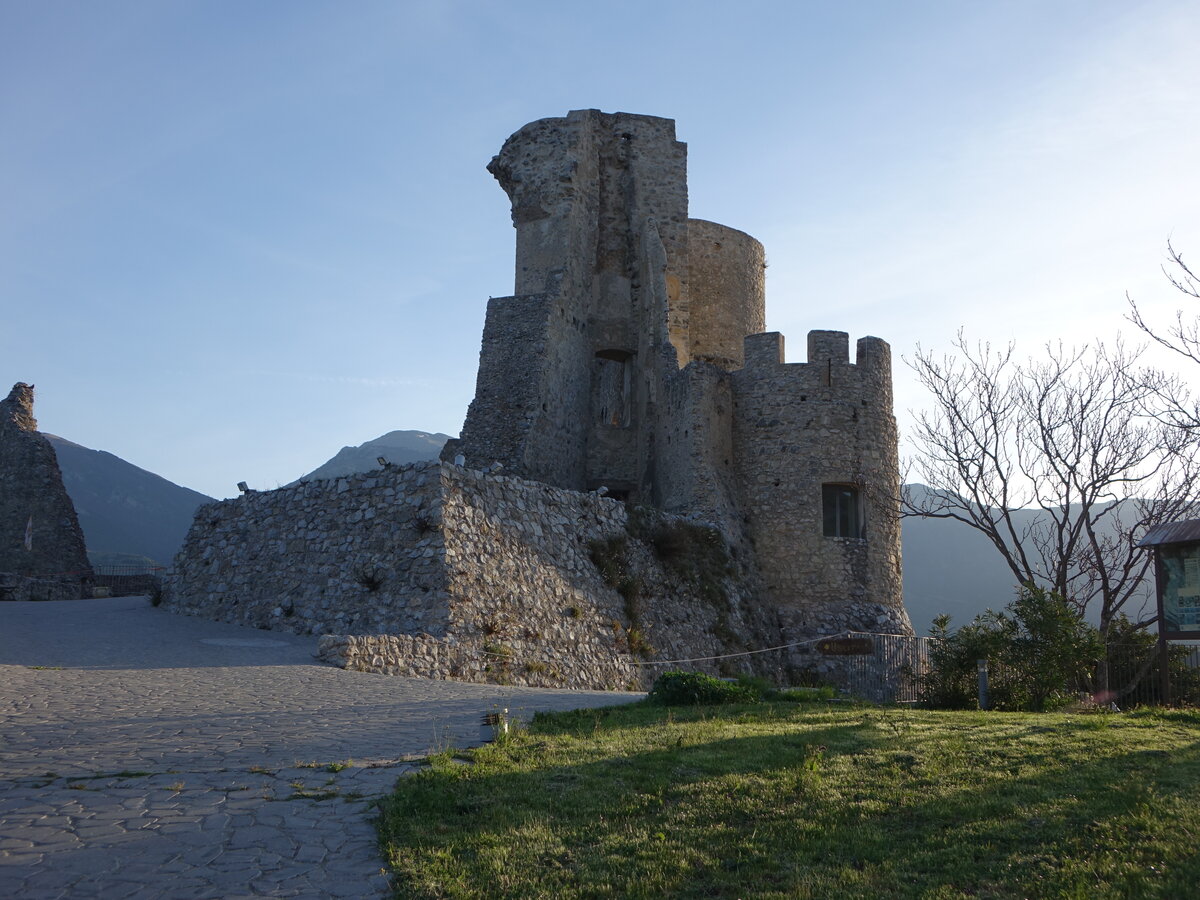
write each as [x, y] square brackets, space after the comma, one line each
[149, 755]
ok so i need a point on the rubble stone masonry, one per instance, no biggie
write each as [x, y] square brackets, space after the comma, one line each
[436, 570]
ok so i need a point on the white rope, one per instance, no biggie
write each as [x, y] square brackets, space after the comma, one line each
[512, 657]
[671, 662]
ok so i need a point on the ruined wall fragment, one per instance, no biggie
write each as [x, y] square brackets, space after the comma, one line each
[40, 535]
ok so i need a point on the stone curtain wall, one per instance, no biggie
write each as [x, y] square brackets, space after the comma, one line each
[31, 488]
[442, 571]
[359, 554]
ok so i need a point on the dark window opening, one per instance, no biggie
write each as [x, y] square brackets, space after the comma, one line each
[611, 394]
[842, 510]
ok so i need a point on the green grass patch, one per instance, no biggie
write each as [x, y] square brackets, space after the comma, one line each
[798, 800]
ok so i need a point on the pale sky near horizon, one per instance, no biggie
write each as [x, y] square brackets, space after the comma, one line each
[236, 236]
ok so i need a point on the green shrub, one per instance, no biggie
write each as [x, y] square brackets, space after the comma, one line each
[762, 688]
[698, 689]
[1039, 651]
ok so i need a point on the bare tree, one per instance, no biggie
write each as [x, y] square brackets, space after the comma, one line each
[1171, 400]
[1056, 463]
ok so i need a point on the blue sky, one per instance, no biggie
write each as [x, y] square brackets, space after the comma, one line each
[236, 236]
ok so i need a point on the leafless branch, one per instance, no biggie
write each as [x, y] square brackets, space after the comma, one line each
[1056, 461]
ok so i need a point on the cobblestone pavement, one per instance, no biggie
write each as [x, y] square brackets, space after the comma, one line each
[147, 755]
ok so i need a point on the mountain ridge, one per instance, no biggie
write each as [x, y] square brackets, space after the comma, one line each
[123, 508]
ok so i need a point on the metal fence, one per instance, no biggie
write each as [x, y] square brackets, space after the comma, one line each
[1131, 675]
[886, 668]
[125, 581]
[1126, 676]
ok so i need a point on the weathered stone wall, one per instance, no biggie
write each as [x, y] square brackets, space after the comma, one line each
[797, 427]
[358, 554]
[42, 587]
[441, 570]
[31, 490]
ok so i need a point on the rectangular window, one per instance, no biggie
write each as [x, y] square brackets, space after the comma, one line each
[842, 516]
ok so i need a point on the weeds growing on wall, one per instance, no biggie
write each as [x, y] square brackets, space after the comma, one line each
[611, 558]
[696, 554]
[368, 576]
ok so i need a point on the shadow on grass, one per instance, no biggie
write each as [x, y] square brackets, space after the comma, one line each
[847, 804]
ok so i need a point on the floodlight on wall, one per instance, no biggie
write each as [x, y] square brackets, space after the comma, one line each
[382, 460]
[243, 487]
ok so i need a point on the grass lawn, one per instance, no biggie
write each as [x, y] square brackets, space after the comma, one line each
[804, 800]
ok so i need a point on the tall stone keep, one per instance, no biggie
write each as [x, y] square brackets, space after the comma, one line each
[39, 530]
[631, 356]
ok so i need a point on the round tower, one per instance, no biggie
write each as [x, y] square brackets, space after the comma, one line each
[726, 292]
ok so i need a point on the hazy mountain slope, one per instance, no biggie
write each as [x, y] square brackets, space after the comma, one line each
[124, 509]
[396, 447]
[951, 568]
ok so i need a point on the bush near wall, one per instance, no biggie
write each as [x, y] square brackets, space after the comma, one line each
[1041, 654]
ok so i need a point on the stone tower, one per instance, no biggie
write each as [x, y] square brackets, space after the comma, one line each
[39, 531]
[631, 356]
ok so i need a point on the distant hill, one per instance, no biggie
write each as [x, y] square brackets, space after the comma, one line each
[122, 509]
[397, 447]
[950, 568]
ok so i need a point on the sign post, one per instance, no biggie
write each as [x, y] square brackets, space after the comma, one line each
[1176, 548]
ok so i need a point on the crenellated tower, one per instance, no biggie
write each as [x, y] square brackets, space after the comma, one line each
[815, 446]
[631, 356]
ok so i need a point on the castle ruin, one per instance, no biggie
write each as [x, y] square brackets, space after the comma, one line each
[640, 478]
[632, 357]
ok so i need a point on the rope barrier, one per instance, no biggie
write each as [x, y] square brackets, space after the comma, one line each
[671, 662]
[512, 657]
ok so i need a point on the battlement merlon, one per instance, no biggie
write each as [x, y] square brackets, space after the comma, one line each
[828, 364]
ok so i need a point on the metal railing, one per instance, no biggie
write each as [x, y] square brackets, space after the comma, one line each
[125, 581]
[891, 672]
[1131, 675]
